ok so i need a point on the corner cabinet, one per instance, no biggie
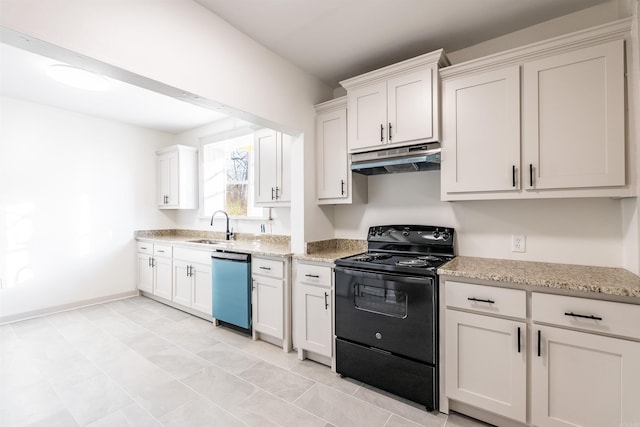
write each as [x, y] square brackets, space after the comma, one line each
[272, 168]
[336, 184]
[313, 308]
[271, 301]
[177, 177]
[541, 121]
[395, 106]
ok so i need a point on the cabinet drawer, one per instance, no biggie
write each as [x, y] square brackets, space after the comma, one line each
[313, 274]
[145, 248]
[608, 317]
[192, 255]
[486, 299]
[162, 250]
[267, 267]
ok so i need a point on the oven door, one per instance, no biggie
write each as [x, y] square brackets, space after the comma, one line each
[392, 312]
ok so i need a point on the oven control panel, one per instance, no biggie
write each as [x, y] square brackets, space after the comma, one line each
[425, 234]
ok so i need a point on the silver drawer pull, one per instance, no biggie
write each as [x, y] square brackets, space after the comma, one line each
[583, 316]
[161, 251]
[315, 276]
[265, 268]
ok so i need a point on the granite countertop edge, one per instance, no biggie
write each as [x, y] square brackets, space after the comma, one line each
[250, 247]
[590, 279]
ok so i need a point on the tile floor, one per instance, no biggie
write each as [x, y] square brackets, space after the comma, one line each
[136, 362]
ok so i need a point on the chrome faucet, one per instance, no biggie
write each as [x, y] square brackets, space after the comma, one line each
[228, 234]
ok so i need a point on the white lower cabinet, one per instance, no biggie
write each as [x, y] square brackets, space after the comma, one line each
[486, 364]
[582, 379]
[579, 378]
[270, 301]
[582, 356]
[154, 269]
[192, 279]
[268, 306]
[145, 267]
[163, 282]
[313, 307]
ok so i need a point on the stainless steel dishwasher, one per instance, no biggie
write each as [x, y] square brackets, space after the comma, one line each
[231, 289]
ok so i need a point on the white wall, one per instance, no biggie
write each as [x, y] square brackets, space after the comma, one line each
[574, 231]
[73, 188]
[180, 43]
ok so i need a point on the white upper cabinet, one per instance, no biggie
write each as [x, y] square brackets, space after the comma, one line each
[397, 105]
[336, 184]
[273, 167]
[177, 177]
[541, 121]
[482, 131]
[573, 118]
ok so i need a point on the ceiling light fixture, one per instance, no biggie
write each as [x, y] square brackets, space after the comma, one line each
[78, 77]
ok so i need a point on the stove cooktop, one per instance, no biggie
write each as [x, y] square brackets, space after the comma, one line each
[405, 249]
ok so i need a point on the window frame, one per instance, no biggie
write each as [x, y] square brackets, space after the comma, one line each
[212, 139]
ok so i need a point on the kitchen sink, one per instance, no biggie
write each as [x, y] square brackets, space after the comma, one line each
[205, 241]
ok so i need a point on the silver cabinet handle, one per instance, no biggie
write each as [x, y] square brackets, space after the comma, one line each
[150, 262]
[342, 187]
[389, 131]
[315, 276]
[264, 268]
[326, 303]
[381, 132]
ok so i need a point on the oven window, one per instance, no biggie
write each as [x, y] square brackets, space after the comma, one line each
[390, 302]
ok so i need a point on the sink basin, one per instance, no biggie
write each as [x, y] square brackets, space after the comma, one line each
[205, 241]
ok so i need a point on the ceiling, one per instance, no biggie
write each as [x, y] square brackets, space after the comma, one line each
[331, 39]
[338, 39]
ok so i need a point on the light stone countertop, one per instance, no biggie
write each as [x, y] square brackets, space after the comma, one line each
[566, 277]
[258, 244]
[327, 251]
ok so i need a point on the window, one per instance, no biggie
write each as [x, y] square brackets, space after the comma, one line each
[228, 177]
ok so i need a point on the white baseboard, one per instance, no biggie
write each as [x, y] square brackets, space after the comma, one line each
[65, 307]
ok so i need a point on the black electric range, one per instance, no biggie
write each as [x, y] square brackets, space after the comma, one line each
[386, 310]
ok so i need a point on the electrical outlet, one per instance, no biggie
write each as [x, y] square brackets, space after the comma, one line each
[518, 243]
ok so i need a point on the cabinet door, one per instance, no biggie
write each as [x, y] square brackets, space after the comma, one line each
[201, 293]
[283, 185]
[313, 319]
[182, 283]
[586, 380]
[332, 157]
[486, 363]
[367, 107]
[163, 278]
[481, 134]
[268, 306]
[266, 163]
[145, 273]
[410, 107]
[168, 180]
[573, 119]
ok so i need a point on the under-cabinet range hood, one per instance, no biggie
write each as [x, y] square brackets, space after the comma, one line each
[415, 158]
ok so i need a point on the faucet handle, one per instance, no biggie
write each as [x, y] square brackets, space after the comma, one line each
[231, 233]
